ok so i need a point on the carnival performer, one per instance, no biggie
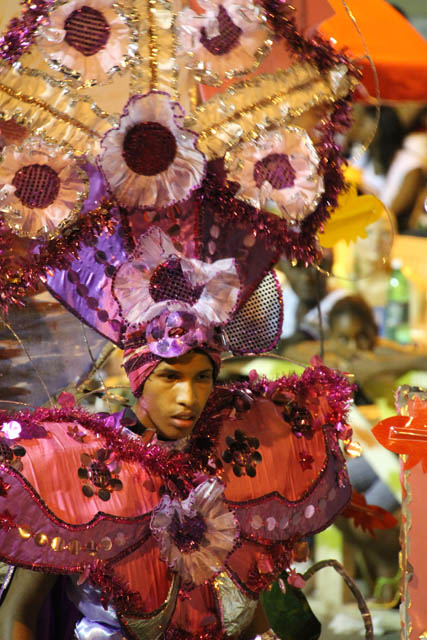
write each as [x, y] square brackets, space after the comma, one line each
[155, 216]
[174, 529]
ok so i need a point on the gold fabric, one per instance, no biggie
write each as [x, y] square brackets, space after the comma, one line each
[237, 610]
[153, 628]
[267, 101]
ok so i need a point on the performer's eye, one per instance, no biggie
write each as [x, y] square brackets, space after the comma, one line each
[169, 375]
[205, 376]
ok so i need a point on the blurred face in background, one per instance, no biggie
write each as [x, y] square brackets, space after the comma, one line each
[350, 333]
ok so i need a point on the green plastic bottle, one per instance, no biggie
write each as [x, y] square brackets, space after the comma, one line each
[397, 309]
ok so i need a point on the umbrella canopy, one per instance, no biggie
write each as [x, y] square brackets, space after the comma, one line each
[397, 49]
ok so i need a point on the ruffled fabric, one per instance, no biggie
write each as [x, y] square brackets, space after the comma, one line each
[41, 189]
[96, 57]
[215, 285]
[279, 172]
[228, 39]
[195, 535]
[150, 160]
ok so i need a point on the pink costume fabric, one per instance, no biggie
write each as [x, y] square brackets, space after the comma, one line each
[81, 495]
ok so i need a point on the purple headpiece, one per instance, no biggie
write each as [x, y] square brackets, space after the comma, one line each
[181, 303]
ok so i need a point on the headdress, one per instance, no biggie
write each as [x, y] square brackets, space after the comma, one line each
[158, 227]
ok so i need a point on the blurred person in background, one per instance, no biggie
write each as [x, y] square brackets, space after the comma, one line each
[371, 265]
[306, 288]
[353, 346]
[394, 167]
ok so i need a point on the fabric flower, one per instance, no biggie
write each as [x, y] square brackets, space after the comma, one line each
[41, 190]
[228, 39]
[150, 160]
[158, 278]
[87, 38]
[195, 535]
[279, 172]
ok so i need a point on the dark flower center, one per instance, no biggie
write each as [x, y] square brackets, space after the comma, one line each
[86, 30]
[37, 185]
[228, 37]
[168, 282]
[276, 169]
[188, 534]
[149, 148]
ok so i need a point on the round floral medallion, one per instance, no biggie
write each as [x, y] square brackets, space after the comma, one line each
[227, 38]
[230, 38]
[41, 190]
[195, 535]
[150, 160]
[275, 169]
[279, 172]
[88, 40]
[37, 185]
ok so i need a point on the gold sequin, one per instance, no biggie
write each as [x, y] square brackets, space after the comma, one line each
[106, 543]
[75, 547]
[41, 539]
[353, 449]
[24, 532]
[57, 544]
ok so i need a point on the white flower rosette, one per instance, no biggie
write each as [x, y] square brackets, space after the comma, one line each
[279, 172]
[150, 160]
[41, 189]
[228, 39]
[197, 534]
[89, 39]
[218, 283]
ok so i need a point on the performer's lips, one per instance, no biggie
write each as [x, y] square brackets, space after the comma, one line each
[183, 420]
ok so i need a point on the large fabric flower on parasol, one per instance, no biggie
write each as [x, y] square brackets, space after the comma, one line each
[150, 160]
[41, 189]
[195, 535]
[279, 172]
[228, 39]
[88, 39]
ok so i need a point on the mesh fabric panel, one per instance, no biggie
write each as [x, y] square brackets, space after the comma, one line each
[257, 326]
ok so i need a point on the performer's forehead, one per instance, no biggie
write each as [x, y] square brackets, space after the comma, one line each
[196, 357]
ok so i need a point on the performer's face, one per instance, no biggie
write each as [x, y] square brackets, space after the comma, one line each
[175, 394]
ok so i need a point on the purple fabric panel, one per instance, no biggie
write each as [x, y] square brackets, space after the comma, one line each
[85, 288]
[26, 510]
[97, 187]
[178, 222]
[254, 251]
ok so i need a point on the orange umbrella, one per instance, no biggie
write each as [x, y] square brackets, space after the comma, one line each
[397, 49]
